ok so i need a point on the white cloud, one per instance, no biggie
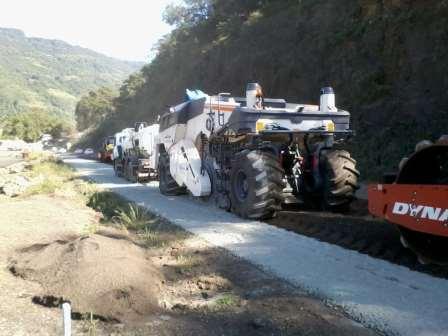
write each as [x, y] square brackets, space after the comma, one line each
[122, 29]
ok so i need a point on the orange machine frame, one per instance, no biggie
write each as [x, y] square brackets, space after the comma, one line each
[422, 208]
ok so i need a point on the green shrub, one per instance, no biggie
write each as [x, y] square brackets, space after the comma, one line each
[107, 203]
[29, 126]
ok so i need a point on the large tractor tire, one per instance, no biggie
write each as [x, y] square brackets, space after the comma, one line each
[256, 185]
[117, 169]
[340, 180]
[167, 185]
[130, 173]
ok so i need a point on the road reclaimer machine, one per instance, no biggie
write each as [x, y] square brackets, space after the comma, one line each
[250, 155]
[416, 200]
[122, 140]
[136, 152]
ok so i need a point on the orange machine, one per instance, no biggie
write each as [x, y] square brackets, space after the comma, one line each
[417, 201]
[107, 147]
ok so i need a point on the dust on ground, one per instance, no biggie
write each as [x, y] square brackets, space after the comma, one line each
[24, 222]
[107, 275]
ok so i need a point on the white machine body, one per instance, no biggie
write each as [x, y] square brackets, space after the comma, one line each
[185, 168]
[147, 139]
[122, 139]
[180, 141]
[181, 129]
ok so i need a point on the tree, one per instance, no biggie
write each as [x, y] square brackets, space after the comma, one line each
[29, 126]
[131, 86]
[94, 107]
[189, 14]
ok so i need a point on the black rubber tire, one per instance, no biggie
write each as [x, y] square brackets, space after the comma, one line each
[264, 183]
[126, 174]
[117, 172]
[429, 248]
[167, 185]
[131, 174]
[340, 180]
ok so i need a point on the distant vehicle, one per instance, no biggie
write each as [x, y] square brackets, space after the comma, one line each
[107, 148]
[46, 137]
[135, 153]
[78, 151]
[89, 151]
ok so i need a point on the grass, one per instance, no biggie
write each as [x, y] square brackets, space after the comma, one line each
[90, 324]
[127, 216]
[185, 263]
[34, 155]
[60, 179]
[53, 167]
[51, 175]
[225, 302]
[57, 178]
[151, 238]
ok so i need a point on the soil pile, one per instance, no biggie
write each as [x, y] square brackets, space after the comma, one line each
[108, 276]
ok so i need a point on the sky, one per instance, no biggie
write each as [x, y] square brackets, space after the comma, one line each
[122, 29]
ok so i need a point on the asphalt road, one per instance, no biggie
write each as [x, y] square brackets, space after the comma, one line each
[387, 297]
[8, 158]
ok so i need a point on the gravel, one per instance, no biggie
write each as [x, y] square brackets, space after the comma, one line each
[14, 186]
[389, 298]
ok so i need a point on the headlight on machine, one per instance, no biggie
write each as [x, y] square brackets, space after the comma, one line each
[144, 162]
[262, 124]
[329, 126]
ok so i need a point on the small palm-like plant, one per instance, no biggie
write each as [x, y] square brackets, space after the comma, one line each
[133, 217]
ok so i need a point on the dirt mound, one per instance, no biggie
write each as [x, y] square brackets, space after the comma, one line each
[107, 275]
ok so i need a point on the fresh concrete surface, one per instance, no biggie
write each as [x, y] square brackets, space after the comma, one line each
[381, 295]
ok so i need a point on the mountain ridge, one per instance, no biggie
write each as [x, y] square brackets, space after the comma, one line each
[51, 75]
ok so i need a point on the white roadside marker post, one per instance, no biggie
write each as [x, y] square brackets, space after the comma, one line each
[67, 319]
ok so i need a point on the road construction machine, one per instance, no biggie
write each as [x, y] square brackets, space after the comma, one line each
[135, 157]
[252, 154]
[107, 147]
[416, 200]
[122, 139]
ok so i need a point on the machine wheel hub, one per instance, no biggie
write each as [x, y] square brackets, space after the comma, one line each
[241, 186]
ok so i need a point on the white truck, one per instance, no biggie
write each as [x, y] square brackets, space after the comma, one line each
[135, 152]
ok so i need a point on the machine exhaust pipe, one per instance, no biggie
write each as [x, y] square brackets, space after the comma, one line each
[327, 100]
[254, 96]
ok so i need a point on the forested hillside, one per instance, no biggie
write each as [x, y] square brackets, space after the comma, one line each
[386, 59]
[50, 75]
